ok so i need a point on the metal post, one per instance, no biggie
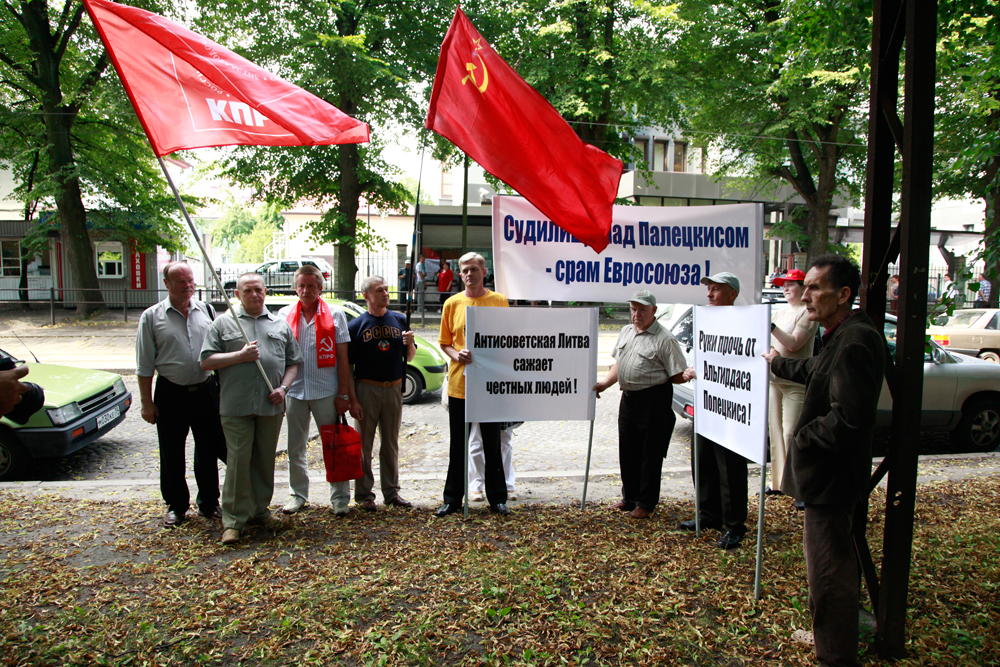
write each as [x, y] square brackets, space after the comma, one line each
[586, 476]
[760, 516]
[465, 468]
[52, 306]
[125, 304]
[695, 448]
[914, 238]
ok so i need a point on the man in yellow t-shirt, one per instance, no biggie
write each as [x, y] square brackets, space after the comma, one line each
[472, 268]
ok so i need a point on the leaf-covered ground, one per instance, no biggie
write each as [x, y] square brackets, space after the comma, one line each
[92, 583]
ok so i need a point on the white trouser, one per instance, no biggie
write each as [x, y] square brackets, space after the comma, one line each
[784, 408]
[477, 462]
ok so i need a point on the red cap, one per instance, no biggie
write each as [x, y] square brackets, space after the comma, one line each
[794, 274]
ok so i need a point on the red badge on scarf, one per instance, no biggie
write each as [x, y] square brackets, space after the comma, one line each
[326, 340]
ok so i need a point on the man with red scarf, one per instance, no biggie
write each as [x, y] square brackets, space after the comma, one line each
[323, 386]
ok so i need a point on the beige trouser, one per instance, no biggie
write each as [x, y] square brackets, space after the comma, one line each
[383, 410]
[323, 412]
[784, 408]
[249, 485]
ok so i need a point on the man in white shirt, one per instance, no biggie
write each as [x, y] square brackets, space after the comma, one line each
[168, 342]
[323, 386]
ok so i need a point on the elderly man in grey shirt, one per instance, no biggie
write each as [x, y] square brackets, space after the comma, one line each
[648, 362]
[251, 414]
[169, 343]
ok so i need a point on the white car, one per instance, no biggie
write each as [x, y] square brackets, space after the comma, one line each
[961, 393]
[278, 274]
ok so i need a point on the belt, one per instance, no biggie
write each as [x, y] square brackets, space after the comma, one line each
[391, 383]
[189, 387]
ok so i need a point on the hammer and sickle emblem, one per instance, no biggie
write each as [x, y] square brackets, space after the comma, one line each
[326, 345]
[471, 68]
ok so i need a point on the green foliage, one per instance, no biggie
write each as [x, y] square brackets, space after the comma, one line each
[367, 59]
[776, 90]
[967, 117]
[248, 231]
[603, 64]
[410, 184]
[110, 160]
[252, 245]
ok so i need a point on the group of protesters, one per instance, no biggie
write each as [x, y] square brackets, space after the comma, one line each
[821, 417]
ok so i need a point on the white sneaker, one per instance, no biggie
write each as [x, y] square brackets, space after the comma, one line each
[804, 637]
[477, 497]
[511, 495]
[341, 510]
[294, 504]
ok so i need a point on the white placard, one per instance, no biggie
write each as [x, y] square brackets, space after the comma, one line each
[530, 364]
[730, 394]
[667, 250]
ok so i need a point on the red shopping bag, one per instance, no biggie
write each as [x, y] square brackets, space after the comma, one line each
[341, 451]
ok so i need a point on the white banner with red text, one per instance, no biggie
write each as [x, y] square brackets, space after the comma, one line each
[730, 394]
[530, 364]
[667, 250]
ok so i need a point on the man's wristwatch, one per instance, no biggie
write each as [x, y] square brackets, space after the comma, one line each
[281, 386]
[343, 397]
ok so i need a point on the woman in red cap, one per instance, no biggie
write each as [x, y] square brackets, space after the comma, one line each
[792, 336]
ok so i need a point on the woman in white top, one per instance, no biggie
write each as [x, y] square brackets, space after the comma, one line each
[792, 336]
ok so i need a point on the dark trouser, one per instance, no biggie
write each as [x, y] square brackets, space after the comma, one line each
[645, 423]
[194, 408]
[454, 486]
[722, 487]
[834, 594]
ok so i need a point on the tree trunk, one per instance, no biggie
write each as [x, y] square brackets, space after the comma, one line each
[59, 119]
[73, 215]
[345, 267]
[818, 229]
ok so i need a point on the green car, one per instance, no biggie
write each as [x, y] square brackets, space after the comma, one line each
[80, 406]
[427, 371]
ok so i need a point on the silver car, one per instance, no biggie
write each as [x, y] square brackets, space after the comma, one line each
[961, 393]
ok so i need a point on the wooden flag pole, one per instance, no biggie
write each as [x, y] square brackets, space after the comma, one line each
[208, 260]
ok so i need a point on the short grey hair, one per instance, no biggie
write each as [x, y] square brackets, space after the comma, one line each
[239, 281]
[472, 257]
[370, 282]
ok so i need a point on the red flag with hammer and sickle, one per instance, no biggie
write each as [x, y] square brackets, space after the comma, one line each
[485, 108]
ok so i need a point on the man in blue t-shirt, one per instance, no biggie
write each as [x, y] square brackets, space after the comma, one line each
[381, 344]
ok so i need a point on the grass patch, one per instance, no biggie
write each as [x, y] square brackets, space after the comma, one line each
[100, 583]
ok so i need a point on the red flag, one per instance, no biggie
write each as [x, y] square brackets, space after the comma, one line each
[190, 92]
[482, 106]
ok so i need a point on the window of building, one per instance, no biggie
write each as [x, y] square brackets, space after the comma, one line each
[660, 156]
[446, 189]
[110, 260]
[680, 155]
[642, 146]
[10, 258]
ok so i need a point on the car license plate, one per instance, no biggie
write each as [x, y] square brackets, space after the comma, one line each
[109, 416]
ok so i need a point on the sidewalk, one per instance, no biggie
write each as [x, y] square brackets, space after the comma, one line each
[550, 456]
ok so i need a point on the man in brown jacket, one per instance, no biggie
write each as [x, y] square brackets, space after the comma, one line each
[829, 463]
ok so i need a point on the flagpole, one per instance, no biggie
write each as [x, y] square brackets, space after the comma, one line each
[208, 260]
[417, 232]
